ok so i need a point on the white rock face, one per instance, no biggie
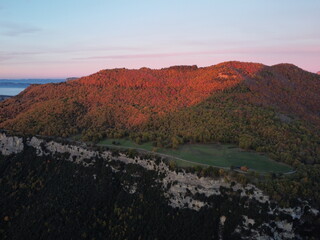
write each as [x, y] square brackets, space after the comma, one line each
[76, 154]
[176, 185]
[36, 143]
[10, 145]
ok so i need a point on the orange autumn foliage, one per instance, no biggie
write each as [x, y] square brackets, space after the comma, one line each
[123, 98]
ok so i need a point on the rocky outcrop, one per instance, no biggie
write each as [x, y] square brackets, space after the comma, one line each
[10, 144]
[180, 187]
[77, 154]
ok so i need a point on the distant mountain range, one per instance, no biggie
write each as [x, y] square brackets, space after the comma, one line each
[4, 97]
[71, 78]
[23, 83]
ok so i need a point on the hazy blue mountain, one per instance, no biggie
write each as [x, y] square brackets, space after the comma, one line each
[12, 87]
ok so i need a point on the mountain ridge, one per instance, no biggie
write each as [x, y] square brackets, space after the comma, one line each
[141, 93]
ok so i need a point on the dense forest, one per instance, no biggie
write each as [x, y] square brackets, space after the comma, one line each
[126, 99]
[267, 109]
[48, 198]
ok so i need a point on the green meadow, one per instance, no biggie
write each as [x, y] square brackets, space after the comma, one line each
[216, 155]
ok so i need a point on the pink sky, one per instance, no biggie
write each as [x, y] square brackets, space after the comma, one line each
[59, 39]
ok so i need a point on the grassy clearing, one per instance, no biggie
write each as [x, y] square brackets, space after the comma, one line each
[210, 154]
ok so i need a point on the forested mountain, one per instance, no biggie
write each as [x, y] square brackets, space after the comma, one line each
[125, 99]
[270, 109]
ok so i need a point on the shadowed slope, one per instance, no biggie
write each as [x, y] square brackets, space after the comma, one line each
[289, 89]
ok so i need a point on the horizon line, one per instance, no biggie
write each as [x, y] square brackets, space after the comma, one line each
[138, 68]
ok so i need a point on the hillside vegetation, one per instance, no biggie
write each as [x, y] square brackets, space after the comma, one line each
[270, 109]
[122, 98]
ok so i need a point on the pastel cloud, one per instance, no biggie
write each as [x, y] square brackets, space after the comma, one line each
[13, 29]
[243, 50]
[79, 37]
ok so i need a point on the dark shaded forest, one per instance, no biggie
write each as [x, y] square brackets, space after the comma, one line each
[48, 198]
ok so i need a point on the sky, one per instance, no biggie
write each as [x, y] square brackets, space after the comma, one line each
[73, 38]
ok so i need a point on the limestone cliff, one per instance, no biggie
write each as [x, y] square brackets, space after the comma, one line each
[182, 189]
